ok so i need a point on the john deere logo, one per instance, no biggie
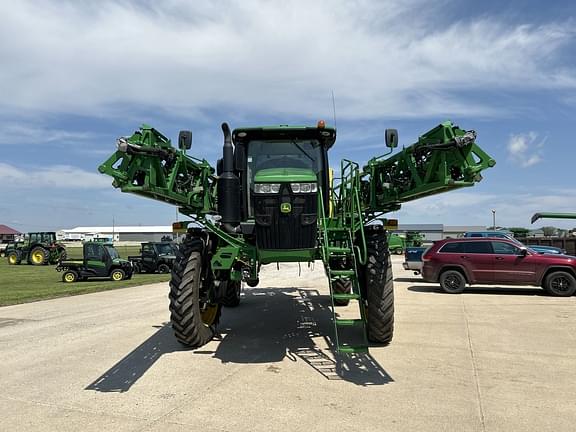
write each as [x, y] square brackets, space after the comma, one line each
[285, 207]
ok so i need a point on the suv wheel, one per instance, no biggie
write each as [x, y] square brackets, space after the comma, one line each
[452, 281]
[560, 284]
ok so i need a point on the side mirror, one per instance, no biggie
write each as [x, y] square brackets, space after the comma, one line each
[391, 138]
[523, 252]
[185, 140]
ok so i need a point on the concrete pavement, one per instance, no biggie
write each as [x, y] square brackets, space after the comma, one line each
[492, 359]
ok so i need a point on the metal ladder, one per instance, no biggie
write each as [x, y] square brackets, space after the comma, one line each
[338, 245]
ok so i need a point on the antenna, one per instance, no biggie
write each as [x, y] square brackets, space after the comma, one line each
[334, 108]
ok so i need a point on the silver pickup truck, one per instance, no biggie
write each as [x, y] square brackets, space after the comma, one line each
[413, 259]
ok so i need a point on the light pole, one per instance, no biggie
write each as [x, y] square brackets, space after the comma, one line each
[493, 220]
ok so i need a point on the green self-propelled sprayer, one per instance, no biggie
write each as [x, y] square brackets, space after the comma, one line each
[272, 198]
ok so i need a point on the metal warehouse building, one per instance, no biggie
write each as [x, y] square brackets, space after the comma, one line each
[116, 233]
[433, 232]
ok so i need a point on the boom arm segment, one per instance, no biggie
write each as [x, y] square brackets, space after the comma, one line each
[146, 164]
[553, 216]
[443, 159]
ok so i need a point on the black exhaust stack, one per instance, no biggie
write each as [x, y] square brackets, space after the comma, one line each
[228, 186]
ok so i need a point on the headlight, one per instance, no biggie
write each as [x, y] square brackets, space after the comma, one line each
[265, 188]
[304, 187]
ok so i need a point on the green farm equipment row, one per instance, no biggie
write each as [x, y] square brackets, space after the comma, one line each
[272, 198]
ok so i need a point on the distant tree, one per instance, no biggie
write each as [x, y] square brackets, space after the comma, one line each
[519, 232]
[549, 231]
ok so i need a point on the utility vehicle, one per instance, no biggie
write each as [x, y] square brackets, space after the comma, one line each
[99, 260]
[154, 257]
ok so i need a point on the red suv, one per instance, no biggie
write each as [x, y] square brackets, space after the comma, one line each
[457, 262]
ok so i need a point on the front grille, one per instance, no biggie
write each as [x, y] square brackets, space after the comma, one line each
[294, 230]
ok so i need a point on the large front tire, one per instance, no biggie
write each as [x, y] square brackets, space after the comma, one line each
[14, 258]
[379, 289]
[192, 319]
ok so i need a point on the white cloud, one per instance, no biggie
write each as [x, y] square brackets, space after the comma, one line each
[393, 58]
[29, 133]
[45, 178]
[525, 149]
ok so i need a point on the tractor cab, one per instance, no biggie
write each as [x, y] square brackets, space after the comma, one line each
[283, 175]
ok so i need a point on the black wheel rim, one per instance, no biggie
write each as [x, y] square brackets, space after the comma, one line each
[561, 284]
[452, 282]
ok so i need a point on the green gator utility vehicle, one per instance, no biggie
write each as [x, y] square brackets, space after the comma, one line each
[272, 198]
[154, 257]
[100, 260]
[37, 248]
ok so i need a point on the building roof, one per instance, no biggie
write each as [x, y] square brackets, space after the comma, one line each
[6, 230]
[120, 229]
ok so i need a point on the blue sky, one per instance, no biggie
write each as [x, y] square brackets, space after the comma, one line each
[76, 75]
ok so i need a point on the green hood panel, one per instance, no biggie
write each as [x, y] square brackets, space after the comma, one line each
[284, 175]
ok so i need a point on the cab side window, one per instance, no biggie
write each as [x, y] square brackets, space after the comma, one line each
[94, 252]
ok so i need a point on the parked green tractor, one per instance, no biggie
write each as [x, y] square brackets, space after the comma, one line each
[37, 248]
[272, 198]
[99, 260]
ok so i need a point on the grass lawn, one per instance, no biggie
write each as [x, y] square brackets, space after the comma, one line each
[25, 283]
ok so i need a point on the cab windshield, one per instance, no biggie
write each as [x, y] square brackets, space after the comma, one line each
[294, 153]
[112, 252]
[165, 249]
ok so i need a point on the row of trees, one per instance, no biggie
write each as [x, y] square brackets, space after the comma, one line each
[549, 231]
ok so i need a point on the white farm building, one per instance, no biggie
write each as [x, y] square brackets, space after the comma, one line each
[116, 233]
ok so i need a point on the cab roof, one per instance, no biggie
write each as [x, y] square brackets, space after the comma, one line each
[326, 135]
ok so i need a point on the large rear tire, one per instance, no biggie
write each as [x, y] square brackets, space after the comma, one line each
[233, 291]
[38, 256]
[192, 316]
[379, 289]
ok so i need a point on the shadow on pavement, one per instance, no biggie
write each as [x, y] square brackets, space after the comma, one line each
[125, 373]
[523, 291]
[269, 324]
[285, 322]
[406, 279]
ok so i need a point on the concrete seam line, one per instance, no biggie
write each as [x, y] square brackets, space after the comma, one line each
[474, 367]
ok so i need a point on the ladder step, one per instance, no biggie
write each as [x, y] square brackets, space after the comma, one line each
[336, 249]
[350, 322]
[351, 349]
[348, 273]
[346, 296]
[337, 229]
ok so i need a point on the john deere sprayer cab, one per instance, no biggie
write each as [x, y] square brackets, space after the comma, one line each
[37, 248]
[99, 260]
[273, 198]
